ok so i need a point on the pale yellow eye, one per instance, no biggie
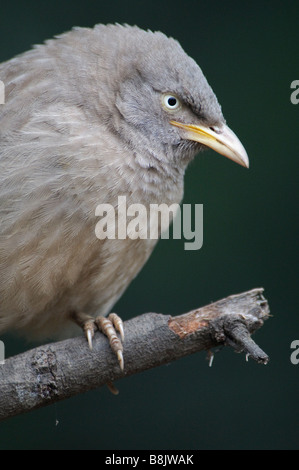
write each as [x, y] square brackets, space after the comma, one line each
[171, 102]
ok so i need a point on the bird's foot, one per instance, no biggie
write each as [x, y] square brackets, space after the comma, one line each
[109, 327]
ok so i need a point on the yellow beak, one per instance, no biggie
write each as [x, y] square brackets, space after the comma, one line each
[221, 139]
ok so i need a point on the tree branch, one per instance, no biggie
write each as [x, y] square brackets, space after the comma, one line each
[57, 371]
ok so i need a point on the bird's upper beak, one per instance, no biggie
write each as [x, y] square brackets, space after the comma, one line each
[221, 139]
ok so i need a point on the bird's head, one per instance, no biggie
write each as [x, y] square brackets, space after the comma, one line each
[148, 91]
[162, 96]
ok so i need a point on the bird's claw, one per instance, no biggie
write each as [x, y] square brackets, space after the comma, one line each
[120, 358]
[89, 329]
[112, 388]
[109, 327]
[118, 324]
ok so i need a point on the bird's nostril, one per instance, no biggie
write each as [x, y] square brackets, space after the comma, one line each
[215, 129]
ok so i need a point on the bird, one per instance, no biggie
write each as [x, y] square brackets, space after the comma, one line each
[92, 114]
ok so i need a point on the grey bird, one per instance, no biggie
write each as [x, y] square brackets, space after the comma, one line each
[88, 116]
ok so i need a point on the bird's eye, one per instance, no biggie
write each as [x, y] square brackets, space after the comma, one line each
[171, 102]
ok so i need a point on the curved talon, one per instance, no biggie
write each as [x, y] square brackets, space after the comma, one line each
[89, 336]
[120, 358]
[89, 329]
[112, 388]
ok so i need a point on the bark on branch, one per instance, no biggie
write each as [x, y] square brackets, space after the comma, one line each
[57, 371]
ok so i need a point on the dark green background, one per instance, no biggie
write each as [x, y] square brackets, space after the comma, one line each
[249, 53]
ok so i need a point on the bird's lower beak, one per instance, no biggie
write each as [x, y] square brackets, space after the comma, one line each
[221, 139]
